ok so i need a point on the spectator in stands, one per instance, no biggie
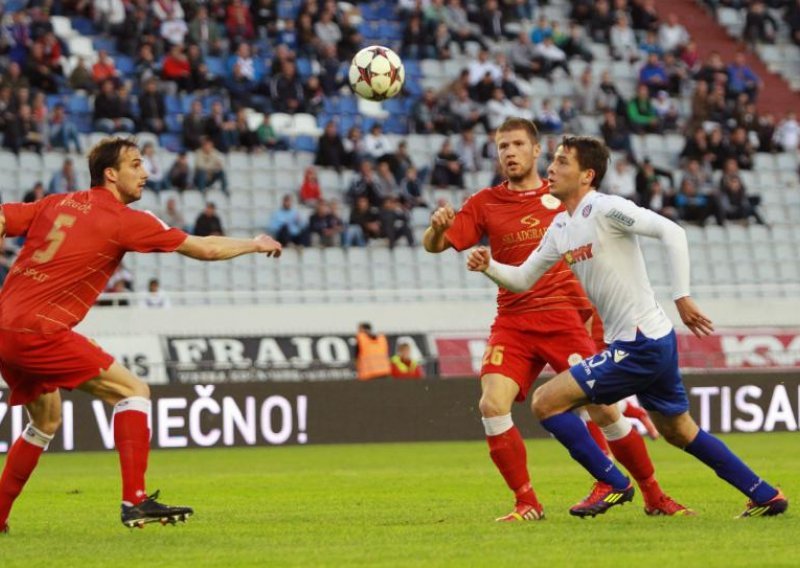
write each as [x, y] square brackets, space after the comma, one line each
[267, 136]
[354, 147]
[411, 190]
[404, 366]
[365, 185]
[736, 203]
[61, 131]
[653, 75]
[21, 132]
[377, 145]
[14, 78]
[155, 298]
[468, 151]
[499, 108]
[525, 59]
[121, 282]
[152, 108]
[245, 62]
[243, 138]
[465, 113]
[428, 114]
[623, 41]
[64, 180]
[146, 65]
[690, 57]
[327, 30]
[552, 57]
[35, 193]
[39, 114]
[395, 222]
[600, 23]
[39, 73]
[167, 10]
[332, 74]
[447, 168]
[286, 89]
[18, 37]
[385, 179]
[286, 225]
[742, 79]
[759, 25]
[667, 110]
[765, 132]
[415, 44]
[459, 26]
[206, 33]
[111, 111]
[220, 127]
[650, 45]
[573, 43]
[621, 179]
[208, 222]
[156, 176]
[787, 134]
[194, 126]
[646, 174]
[325, 228]
[109, 16]
[134, 32]
[481, 66]
[330, 149]
[104, 68]
[176, 68]
[174, 31]
[616, 134]
[792, 18]
[548, 120]
[740, 148]
[608, 96]
[80, 78]
[172, 216]
[401, 160]
[641, 114]
[239, 23]
[692, 206]
[490, 20]
[310, 191]
[265, 17]
[209, 167]
[672, 36]
[180, 175]
[644, 16]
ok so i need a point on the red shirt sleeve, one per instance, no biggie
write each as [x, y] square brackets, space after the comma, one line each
[467, 227]
[141, 231]
[19, 216]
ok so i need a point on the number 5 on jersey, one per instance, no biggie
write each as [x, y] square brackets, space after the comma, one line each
[55, 238]
[493, 355]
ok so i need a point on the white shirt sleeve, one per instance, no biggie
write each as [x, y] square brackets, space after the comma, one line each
[627, 217]
[523, 277]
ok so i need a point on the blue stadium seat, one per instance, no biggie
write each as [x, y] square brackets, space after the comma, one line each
[106, 43]
[83, 26]
[171, 142]
[412, 68]
[396, 124]
[348, 105]
[392, 31]
[304, 67]
[173, 104]
[125, 65]
[305, 143]
[186, 103]
[216, 66]
[174, 122]
[288, 10]
[78, 104]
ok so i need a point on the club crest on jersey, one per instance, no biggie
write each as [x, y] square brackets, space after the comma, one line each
[550, 202]
[587, 210]
[578, 254]
[529, 221]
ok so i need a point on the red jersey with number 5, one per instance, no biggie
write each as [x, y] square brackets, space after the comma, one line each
[515, 222]
[74, 243]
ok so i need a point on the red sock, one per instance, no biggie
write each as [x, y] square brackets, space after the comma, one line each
[509, 455]
[633, 411]
[631, 452]
[597, 436]
[20, 463]
[132, 438]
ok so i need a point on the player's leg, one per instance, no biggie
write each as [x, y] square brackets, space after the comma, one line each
[21, 460]
[552, 403]
[130, 398]
[683, 432]
[632, 410]
[630, 450]
[506, 446]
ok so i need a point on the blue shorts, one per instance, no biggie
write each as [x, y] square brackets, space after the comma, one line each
[645, 367]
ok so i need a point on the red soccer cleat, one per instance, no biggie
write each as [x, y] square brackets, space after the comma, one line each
[666, 506]
[601, 499]
[774, 506]
[523, 512]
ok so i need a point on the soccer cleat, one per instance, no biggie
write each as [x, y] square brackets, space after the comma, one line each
[151, 511]
[601, 499]
[774, 506]
[668, 507]
[523, 512]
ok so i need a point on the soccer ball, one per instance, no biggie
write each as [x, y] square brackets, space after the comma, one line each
[376, 73]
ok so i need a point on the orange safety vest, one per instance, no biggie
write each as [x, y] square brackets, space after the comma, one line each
[373, 357]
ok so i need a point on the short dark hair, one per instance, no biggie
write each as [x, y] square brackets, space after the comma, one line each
[106, 154]
[519, 123]
[592, 154]
[366, 326]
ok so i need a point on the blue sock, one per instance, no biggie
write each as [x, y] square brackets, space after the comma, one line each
[716, 455]
[571, 432]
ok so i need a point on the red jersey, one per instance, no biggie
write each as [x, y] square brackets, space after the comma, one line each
[515, 222]
[74, 243]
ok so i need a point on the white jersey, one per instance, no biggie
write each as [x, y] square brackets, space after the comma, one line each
[599, 243]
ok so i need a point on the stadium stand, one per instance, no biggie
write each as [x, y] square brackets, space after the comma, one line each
[267, 153]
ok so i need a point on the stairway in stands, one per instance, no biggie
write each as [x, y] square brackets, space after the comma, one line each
[776, 97]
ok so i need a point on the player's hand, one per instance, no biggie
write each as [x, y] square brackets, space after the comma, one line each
[442, 219]
[268, 245]
[478, 259]
[694, 319]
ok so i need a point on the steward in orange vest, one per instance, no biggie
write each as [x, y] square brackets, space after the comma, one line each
[372, 354]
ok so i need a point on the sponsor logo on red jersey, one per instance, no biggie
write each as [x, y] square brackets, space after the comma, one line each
[578, 254]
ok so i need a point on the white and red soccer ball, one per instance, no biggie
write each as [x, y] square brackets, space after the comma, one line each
[376, 73]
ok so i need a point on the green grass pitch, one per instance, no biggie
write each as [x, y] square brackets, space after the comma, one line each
[424, 504]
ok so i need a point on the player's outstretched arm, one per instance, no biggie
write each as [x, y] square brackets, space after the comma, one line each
[513, 278]
[223, 248]
[434, 239]
[693, 318]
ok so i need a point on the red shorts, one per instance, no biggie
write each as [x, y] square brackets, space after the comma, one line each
[520, 346]
[34, 364]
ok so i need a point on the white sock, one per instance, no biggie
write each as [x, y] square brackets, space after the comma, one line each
[617, 430]
[138, 403]
[496, 425]
[36, 437]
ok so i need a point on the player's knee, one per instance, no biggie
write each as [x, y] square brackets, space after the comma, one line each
[48, 424]
[540, 405]
[677, 437]
[491, 407]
